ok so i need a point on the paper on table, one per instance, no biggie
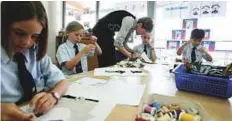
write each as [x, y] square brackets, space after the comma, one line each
[120, 94]
[102, 110]
[56, 114]
[88, 81]
[118, 71]
[145, 58]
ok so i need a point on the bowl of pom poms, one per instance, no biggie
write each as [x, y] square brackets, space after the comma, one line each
[165, 108]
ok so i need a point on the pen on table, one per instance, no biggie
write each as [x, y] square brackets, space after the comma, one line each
[73, 97]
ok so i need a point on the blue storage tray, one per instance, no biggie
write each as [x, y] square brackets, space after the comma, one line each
[209, 85]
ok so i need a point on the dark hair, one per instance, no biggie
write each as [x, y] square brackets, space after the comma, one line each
[147, 23]
[197, 34]
[20, 11]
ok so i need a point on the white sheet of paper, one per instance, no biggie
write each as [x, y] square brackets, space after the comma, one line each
[145, 58]
[88, 81]
[59, 114]
[102, 110]
[121, 94]
[127, 71]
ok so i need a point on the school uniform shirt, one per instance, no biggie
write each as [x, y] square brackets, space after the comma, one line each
[140, 49]
[126, 31]
[66, 52]
[188, 50]
[45, 74]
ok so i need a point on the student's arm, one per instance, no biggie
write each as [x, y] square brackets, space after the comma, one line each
[70, 64]
[76, 59]
[181, 49]
[127, 24]
[54, 81]
[11, 112]
[40, 101]
[206, 55]
[98, 48]
[153, 55]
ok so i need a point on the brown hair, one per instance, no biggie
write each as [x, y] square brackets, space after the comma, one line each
[20, 11]
[147, 23]
[73, 26]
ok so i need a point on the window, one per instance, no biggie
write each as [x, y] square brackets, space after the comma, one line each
[81, 11]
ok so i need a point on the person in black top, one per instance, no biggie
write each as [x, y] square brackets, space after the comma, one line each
[125, 24]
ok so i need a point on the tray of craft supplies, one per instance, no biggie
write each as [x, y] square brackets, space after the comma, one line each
[203, 84]
[166, 108]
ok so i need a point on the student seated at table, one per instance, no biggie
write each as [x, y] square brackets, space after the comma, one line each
[192, 50]
[146, 47]
[72, 55]
[27, 72]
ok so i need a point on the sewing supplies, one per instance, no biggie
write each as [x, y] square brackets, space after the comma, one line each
[118, 71]
[144, 117]
[192, 111]
[156, 105]
[167, 112]
[131, 64]
[149, 110]
[210, 70]
[188, 117]
[79, 98]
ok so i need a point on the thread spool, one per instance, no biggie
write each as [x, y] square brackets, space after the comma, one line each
[159, 114]
[156, 105]
[144, 117]
[178, 112]
[174, 107]
[149, 110]
[165, 117]
[165, 109]
[172, 114]
[188, 117]
[192, 111]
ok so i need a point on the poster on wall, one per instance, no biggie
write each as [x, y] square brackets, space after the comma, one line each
[178, 34]
[189, 24]
[173, 44]
[184, 9]
[167, 12]
[175, 11]
[218, 8]
[206, 9]
[195, 9]
[207, 34]
[210, 45]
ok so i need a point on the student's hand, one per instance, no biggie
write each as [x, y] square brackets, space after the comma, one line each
[135, 55]
[203, 50]
[42, 102]
[11, 112]
[150, 44]
[89, 48]
[93, 39]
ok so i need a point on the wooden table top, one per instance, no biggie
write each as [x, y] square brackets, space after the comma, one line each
[160, 81]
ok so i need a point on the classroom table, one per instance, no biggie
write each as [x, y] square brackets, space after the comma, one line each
[160, 81]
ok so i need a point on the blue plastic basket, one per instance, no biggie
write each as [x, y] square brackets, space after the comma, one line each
[213, 86]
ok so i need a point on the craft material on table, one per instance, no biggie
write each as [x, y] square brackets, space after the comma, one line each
[130, 64]
[145, 58]
[166, 108]
[102, 110]
[118, 93]
[119, 71]
[66, 110]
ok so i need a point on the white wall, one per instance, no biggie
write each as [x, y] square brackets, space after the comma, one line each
[54, 12]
